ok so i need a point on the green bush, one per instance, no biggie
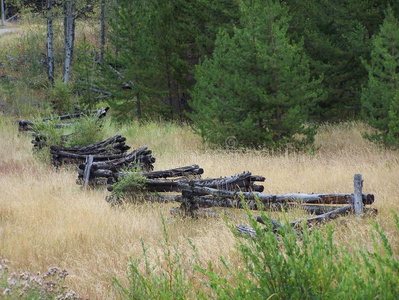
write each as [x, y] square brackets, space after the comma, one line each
[85, 131]
[53, 137]
[277, 265]
[61, 97]
[129, 187]
[309, 267]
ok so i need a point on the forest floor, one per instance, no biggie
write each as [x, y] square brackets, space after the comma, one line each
[47, 220]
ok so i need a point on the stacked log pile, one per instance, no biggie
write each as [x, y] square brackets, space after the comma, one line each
[28, 125]
[105, 166]
[110, 149]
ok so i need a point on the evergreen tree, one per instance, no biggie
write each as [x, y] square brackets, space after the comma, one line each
[131, 70]
[157, 45]
[379, 98]
[257, 87]
[337, 33]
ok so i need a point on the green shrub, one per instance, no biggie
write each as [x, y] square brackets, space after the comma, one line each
[85, 131]
[276, 265]
[130, 187]
[53, 137]
[61, 97]
[312, 267]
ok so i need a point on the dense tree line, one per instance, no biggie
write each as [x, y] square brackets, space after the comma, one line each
[261, 70]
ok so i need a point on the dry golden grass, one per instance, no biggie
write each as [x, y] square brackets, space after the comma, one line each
[47, 220]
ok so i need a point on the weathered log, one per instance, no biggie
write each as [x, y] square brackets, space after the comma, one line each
[116, 158]
[269, 198]
[86, 175]
[203, 213]
[114, 142]
[142, 155]
[343, 210]
[235, 183]
[246, 230]
[193, 170]
[357, 199]
[325, 217]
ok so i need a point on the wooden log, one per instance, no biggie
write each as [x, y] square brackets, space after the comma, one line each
[203, 213]
[343, 210]
[236, 182]
[270, 198]
[86, 175]
[135, 156]
[246, 230]
[102, 146]
[192, 170]
[357, 198]
[244, 182]
[325, 217]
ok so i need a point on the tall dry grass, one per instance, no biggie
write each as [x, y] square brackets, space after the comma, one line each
[47, 220]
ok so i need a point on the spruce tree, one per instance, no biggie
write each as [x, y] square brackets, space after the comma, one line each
[379, 97]
[257, 86]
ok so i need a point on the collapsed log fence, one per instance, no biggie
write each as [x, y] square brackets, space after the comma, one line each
[29, 125]
[199, 194]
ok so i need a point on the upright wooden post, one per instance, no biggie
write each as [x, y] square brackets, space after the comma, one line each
[86, 175]
[357, 195]
[3, 13]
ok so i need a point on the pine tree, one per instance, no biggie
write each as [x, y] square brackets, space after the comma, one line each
[337, 33]
[131, 70]
[379, 98]
[257, 87]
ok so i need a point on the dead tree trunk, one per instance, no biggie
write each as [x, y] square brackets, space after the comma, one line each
[3, 13]
[50, 37]
[102, 29]
[69, 31]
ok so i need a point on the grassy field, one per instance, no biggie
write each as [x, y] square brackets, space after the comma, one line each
[47, 220]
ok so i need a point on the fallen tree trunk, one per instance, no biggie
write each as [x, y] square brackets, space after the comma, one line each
[269, 198]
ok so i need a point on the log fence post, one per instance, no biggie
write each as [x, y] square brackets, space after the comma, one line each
[86, 175]
[357, 195]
